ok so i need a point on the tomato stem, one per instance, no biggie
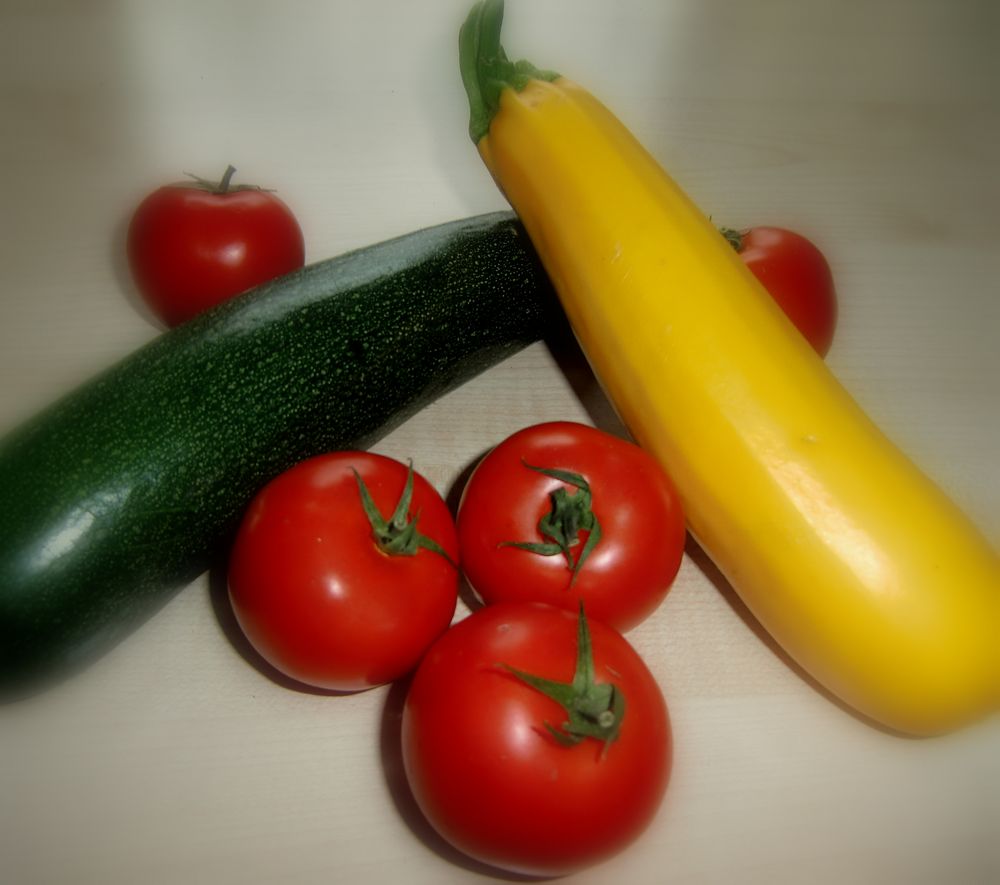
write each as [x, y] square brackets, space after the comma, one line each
[227, 178]
[733, 237]
[398, 535]
[594, 709]
[223, 186]
[571, 513]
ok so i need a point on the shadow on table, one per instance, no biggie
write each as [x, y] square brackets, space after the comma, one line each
[708, 568]
[403, 798]
[219, 593]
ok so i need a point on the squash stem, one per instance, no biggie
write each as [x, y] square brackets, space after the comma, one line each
[486, 70]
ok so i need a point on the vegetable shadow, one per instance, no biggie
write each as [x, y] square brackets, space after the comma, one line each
[405, 802]
[572, 362]
[218, 590]
[452, 498]
[20, 689]
[708, 568]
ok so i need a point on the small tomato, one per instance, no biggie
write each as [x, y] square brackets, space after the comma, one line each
[796, 274]
[195, 244]
[535, 742]
[564, 513]
[344, 570]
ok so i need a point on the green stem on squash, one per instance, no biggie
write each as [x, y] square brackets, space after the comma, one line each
[486, 70]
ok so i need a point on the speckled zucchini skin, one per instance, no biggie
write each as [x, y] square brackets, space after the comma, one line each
[124, 490]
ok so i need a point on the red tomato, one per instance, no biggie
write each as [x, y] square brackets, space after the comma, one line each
[798, 277]
[487, 755]
[192, 246]
[317, 594]
[622, 577]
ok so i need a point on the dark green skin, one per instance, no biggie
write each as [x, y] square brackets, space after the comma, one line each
[125, 490]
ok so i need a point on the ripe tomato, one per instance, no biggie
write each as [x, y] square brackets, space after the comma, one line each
[331, 596]
[500, 769]
[529, 535]
[798, 277]
[194, 245]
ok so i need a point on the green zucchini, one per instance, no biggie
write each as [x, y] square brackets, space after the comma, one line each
[123, 491]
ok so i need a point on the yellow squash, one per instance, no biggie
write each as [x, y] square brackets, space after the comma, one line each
[854, 561]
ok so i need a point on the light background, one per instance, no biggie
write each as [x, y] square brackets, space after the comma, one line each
[870, 126]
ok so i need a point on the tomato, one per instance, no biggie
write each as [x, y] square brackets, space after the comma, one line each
[193, 245]
[530, 534]
[332, 596]
[798, 277]
[501, 770]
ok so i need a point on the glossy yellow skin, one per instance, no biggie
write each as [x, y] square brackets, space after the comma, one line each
[856, 563]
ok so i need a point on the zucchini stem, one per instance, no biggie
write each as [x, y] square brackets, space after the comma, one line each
[486, 70]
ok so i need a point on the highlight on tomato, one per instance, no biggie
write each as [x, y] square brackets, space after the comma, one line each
[344, 570]
[796, 274]
[564, 513]
[535, 739]
[197, 243]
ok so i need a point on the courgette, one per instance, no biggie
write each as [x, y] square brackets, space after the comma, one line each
[123, 491]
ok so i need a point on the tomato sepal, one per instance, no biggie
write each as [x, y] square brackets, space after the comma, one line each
[569, 515]
[221, 187]
[398, 535]
[733, 237]
[593, 709]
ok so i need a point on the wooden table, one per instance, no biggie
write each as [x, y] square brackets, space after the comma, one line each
[872, 128]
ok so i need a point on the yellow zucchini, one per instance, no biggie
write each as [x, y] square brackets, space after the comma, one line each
[854, 561]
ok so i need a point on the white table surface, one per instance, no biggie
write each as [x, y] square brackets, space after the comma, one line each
[871, 127]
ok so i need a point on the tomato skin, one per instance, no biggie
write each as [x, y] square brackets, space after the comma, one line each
[490, 778]
[316, 596]
[634, 564]
[190, 248]
[798, 277]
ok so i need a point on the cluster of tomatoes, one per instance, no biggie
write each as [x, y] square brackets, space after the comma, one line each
[535, 739]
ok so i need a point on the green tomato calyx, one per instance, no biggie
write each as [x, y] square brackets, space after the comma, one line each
[571, 514]
[223, 186]
[593, 709]
[733, 237]
[398, 535]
